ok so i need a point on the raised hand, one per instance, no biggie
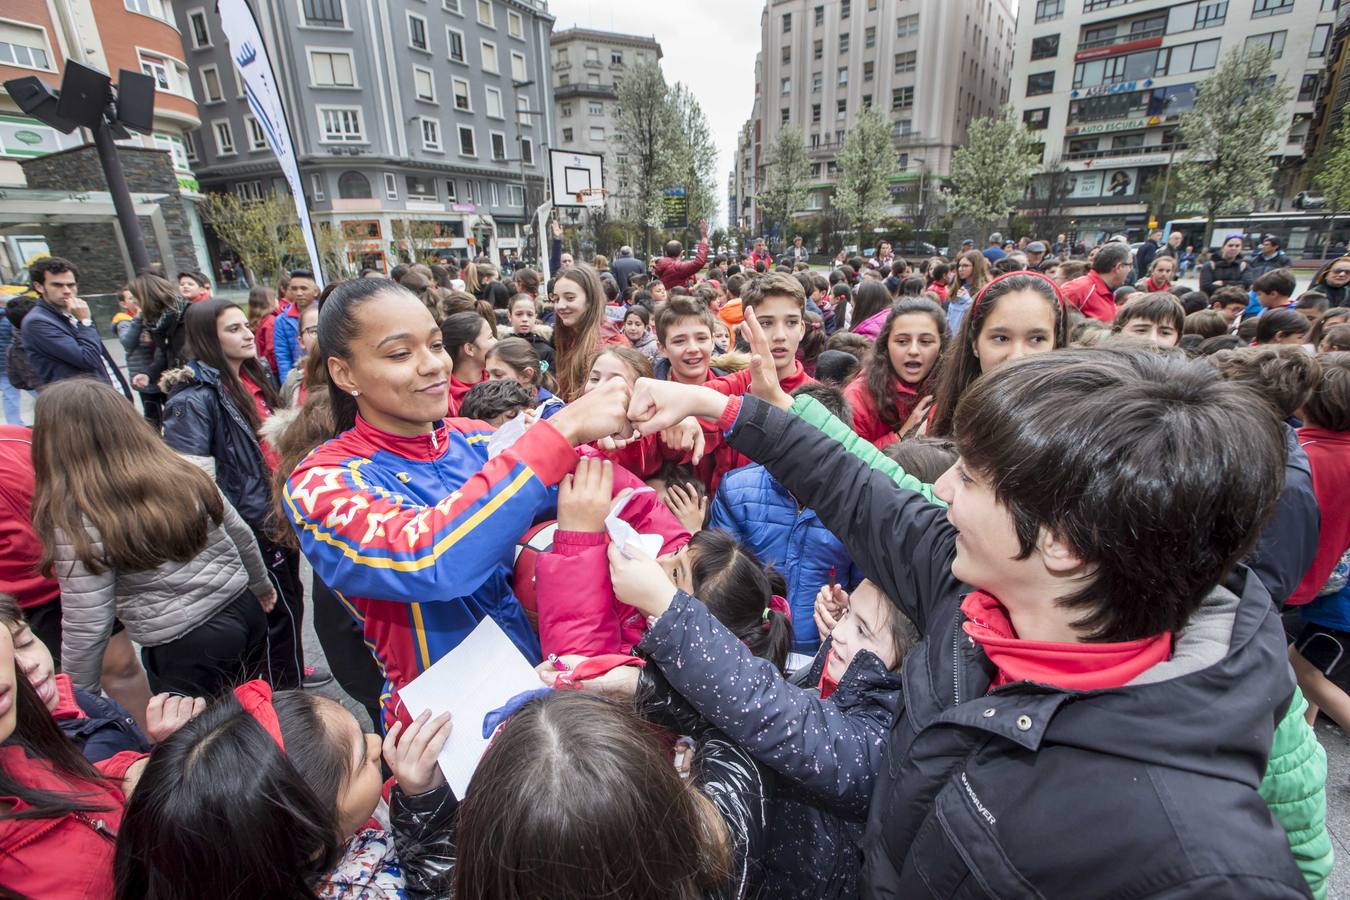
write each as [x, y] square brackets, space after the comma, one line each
[658, 405]
[831, 602]
[411, 754]
[763, 374]
[688, 505]
[599, 414]
[167, 713]
[640, 582]
[585, 496]
[686, 436]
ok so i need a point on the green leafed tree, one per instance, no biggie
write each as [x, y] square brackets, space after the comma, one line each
[990, 173]
[694, 160]
[786, 173]
[1333, 171]
[866, 164]
[647, 146]
[1231, 134]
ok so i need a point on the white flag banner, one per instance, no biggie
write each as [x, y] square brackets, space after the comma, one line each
[264, 98]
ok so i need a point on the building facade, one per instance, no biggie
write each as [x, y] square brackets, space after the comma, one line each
[931, 65]
[37, 37]
[1106, 80]
[1333, 94]
[588, 68]
[409, 117]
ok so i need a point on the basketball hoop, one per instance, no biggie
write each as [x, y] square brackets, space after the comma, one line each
[591, 197]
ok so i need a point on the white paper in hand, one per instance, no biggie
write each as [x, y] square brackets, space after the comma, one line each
[623, 534]
[512, 431]
[470, 681]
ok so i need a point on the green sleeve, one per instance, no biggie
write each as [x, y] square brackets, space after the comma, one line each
[1294, 788]
[813, 412]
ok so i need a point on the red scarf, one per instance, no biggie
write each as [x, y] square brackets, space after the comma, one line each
[827, 684]
[1156, 288]
[1069, 666]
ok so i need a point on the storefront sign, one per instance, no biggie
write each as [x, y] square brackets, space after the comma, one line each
[463, 207]
[1107, 127]
[1117, 49]
[1121, 88]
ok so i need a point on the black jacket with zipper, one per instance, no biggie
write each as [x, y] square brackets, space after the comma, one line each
[1148, 790]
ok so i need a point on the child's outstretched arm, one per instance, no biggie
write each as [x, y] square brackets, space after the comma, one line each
[422, 807]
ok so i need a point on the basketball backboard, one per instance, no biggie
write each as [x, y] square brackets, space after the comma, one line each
[574, 178]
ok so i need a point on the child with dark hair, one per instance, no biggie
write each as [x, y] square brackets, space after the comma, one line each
[495, 402]
[925, 458]
[1336, 340]
[848, 342]
[292, 785]
[467, 338]
[1205, 323]
[1312, 304]
[1158, 317]
[515, 359]
[1231, 301]
[755, 508]
[1280, 326]
[895, 390]
[1274, 289]
[1210, 346]
[1193, 301]
[836, 368]
[1052, 634]
[1337, 315]
[1247, 330]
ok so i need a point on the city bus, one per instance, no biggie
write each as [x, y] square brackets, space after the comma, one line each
[1307, 236]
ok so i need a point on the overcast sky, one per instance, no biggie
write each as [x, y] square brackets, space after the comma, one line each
[710, 45]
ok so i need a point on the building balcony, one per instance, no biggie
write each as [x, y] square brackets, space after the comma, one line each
[1129, 38]
[568, 91]
[1121, 152]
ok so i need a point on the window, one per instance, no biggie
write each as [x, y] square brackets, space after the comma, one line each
[424, 84]
[340, 124]
[906, 26]
[249, 191]
[323, 13]
[489, 52]
[566, 112]
[903, 127]
[868, 68]
[527, 151]
[331, 68]
[257, 139]
[353, 186]
[468, 144]
[870, 37]
[197, 27]
[497, 143]
[816, 82]
[1307, 87]
[567, 135]
[390, 186]
[1045, 47]
[596, 133]
[451, 194]
[592, 77]
[224, 138]
[842, 75]
[459, 88]
[787, 22]
[24, 47]
[902, 98]
[190, 142]
[523, 110]
[906, 62]
[419, 187]
[819, 15]
[1272, 40]
[515, 195]
[495, 197]
[785, 86]
[316, 186]
[817, 49]
[840, 110]
[786, 56]
[485, 14]
[157, 69]
[595, 108]
[1049, 9]
[1036, 119]
[815, 113]
[592, 56]
[1040, 83]
[494, 103]
[843, 43]
[431, 134]
[785, 115]
[211, 92]
[518, 72]
[1211, 15]
[845, 8]
[1263, 8]
[417, 32]
[1321, 34]
[454, 41]
[515, 25]
[153, 8]
[564, 79]
[452, 6]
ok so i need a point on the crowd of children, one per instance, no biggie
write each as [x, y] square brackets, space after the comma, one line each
[966, 577]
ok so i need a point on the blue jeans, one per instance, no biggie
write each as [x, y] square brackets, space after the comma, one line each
[13, 399]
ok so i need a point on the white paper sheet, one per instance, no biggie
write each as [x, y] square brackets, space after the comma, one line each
[623, 535]
[511, 431]
[470, 681]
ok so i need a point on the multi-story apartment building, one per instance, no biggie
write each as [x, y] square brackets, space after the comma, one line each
[37, 37]
[401, 111]
[588, 67]
[931, 65]
[1333, 95]
[1106, 80]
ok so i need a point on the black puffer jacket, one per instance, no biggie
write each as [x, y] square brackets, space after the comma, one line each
[825, 753]
[1148, 790]
[1233, 274]
[423, 825]
[201, 420]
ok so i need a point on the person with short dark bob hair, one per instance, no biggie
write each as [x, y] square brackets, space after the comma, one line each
[1093, 652]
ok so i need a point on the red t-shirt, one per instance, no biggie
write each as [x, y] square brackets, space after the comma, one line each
[264, 413]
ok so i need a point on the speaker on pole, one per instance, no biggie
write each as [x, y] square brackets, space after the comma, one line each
[136, 100]
[38, 101]
[85, 93]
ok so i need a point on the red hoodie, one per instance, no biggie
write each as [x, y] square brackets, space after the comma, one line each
[1091, 296]
[1329, 457]
[674, 272]
[867, 420]
[20, 547]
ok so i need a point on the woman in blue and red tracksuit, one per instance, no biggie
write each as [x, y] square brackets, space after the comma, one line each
[403, 514]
